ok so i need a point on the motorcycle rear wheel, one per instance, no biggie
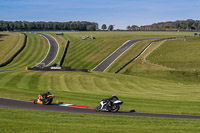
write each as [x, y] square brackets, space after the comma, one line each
[114, 108]
[47, 101]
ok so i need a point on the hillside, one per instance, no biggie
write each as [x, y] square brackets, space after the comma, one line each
[146, 85]
[35, 50]
[89, 53]
[10, 43]
[175, 59]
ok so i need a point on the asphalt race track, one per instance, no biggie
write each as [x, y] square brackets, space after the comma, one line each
[53, 51]
[17, 104]
[11, 70]
[54, 47]
[116, 54]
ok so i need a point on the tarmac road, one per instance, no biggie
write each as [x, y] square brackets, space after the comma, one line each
[53, 50]
[116, 54]
[18, 104]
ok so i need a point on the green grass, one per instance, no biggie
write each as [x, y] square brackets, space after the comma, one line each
[35, 50]
[13, 120]
[62, 43]
[144, 85]
[127, 56]
[141, 94]
[165, 61]
[10, 43]
[89, 53]
[182, 54]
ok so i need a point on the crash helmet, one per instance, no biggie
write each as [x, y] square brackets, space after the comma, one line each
[113, 95]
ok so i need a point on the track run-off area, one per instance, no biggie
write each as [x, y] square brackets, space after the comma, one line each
[116, 54]
[50, 57]
[27, 105]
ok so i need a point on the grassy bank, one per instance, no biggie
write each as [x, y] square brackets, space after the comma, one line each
[35, 50]
[181, 54]
[10, 43]
[88, 53]
[146, 85]
[51, 122]
[139, 93]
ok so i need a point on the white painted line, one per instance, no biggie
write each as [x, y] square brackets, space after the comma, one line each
[65, 104]
[57, 50]
[49, 49]
[111, 54]
[120, 55]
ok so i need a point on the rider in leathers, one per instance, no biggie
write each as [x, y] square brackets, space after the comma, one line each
[110, 101]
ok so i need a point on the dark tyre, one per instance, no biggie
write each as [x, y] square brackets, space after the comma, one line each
[98, 108]
[35, 101]
[114, 108]
[47, 101]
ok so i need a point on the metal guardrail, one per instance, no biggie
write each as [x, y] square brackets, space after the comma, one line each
[146, 48]
[64, 54]
[12, 58]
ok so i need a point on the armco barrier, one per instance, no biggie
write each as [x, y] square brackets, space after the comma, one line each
[56, 69]
[146, 48]
[12, 58]
[64, 54]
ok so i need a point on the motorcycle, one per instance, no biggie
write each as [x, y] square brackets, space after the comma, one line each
[45, 99]
[113, 107]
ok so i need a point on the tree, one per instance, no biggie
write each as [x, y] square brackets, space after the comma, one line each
[134, 27]
[110, 28]
[128, 27]
[104, 27]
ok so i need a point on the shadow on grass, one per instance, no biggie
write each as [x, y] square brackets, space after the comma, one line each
[2, 35]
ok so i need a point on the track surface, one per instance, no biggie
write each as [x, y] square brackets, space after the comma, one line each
[116, 54]
[17, 104]
[11, 70]
[54, 47]
[53, 50]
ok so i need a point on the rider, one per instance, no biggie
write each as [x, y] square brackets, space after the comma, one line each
[108, 101]
[43, 96]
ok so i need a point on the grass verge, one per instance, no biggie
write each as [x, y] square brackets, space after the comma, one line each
[10, 43]
[35, 50]
[89, 53]
[14, 120]
[138, 93]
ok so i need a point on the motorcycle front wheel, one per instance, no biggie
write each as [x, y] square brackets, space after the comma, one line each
[98, 108]
[35, 101]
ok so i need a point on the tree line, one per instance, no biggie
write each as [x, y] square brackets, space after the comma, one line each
[188, 24]
[25, 25]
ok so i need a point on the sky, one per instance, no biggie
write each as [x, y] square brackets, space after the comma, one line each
[120, 13]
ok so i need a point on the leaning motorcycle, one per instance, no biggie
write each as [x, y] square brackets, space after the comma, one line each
[45, 99]
[113, 107]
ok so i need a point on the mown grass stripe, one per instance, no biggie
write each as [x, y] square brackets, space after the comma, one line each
[32, 53]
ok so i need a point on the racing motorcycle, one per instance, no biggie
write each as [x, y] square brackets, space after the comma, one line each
[112, 107]
[44, 98]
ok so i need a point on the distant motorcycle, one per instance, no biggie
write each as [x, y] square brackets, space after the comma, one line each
[113, 107]
[44, 98]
